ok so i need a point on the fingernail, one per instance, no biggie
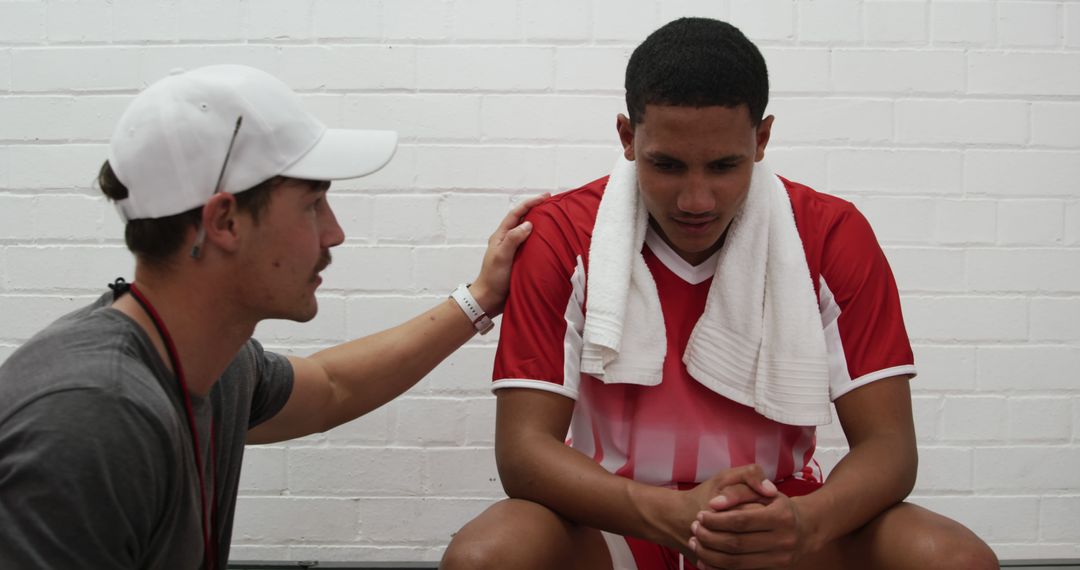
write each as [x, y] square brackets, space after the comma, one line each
[719, 501]
[694, 526]
[768, 486]
[701, 516]
[692, 543]
[527, 226]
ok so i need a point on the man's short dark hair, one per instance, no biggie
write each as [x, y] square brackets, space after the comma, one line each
[697, 62]
[155, 241]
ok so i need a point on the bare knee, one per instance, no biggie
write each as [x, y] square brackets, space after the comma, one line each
[956, 548]
[464, 554]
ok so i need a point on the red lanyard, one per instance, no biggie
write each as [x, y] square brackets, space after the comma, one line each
[208, 532]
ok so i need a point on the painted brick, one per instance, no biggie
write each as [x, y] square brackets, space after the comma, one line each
[1076, 420]
[410, 218]
[975, 419]
[209, 19]
[425, 116]
[1072, 25]
[156, 62]
[430, 421]
[905, 220]
[416, 20]
[327, 326]
[68, 217]
[36, 166]
[966, 221]
[507, 68]
[556, 19]
[764, 19]
[944, 368]
[81, 68]
[355, 215]
[1036, 24]
[292, 519]
[573, 119]
[83, 21]
[137, 21]
[1024, 270]
[486, 20]
[263, 470]
[64, 118]
[1026, 174]
[354, 471]
[895, 22]
[832, 120]
[920, 269]
[674, 9]
[1035, 551]
[613, 20]
[926, 412]
[368, 315]
[577, 165]
[22, 22]
[372, 428]
[590, 67]
[900, 171]
[417, 520]
[480, 422]
[1055, 123]
[1059, 519]
[1055, 319]
[399, 174]
[384, 268]
[897, 71]
[349, 67]
[16, 216]
[803, 165]
[990, 518]
[440, 269]
[944, 469]
[1072, 223]
[352, 553]
[797, 70]
[5, 70]
[1027, 368]
[1047, 420]
[351, 19]
[239, 551]
[25, 315]
[472, 218]
[962, 23]
[445, 477]
[467, 372]
[66, 267]
[961, 122]
[966, 318]
[831, 21]
[1018, 73]
[1033, 222]
[276, 20]
[485, 168]
[1026, 469]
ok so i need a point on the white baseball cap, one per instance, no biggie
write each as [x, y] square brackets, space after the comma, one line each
[170, 144]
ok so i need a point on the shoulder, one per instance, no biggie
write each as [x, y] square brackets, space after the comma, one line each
[571, 210]
[833, 231]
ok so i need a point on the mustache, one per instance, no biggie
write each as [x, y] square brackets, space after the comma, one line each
[324, 261]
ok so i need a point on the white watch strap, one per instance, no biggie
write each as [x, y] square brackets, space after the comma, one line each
[472, 309]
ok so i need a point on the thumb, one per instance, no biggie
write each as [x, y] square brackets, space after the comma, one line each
[516, 236]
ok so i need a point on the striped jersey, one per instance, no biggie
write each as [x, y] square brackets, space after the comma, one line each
[680, 432]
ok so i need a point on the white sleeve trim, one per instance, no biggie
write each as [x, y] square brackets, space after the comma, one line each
[875, 376]
[534, 385]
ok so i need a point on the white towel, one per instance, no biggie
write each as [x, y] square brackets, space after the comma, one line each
[759, 341]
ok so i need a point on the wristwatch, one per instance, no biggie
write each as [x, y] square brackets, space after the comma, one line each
[472, 309]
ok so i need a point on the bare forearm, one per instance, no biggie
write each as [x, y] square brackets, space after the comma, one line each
[571, 484]
[870, 478]
[370, 371]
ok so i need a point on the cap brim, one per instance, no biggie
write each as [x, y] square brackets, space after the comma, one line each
[344, 153]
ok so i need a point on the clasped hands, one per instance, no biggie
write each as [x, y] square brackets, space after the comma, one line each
[745, 522]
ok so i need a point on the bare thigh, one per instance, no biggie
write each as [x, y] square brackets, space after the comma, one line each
[514, 533]
[906, 536]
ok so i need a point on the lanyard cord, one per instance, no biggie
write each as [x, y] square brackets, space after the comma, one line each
[209, 551]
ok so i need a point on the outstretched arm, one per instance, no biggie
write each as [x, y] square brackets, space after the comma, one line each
[344, 382]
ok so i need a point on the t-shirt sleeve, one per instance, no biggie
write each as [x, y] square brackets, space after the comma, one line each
[860, 307]
[540, 338]
[273, 385]
[76, 489]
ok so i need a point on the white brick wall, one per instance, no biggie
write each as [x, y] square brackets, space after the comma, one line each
[955, 125]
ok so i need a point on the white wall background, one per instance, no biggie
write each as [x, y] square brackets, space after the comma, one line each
[954, 125]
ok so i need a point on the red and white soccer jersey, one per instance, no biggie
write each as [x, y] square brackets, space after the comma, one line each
[679, 432]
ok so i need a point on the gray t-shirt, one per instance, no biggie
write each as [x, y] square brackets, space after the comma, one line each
[96, 461]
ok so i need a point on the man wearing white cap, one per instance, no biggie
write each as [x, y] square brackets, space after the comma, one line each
[123, 424]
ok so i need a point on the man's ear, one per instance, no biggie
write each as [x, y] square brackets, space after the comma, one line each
[764, 131]
[219, 218]
[626, 135]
